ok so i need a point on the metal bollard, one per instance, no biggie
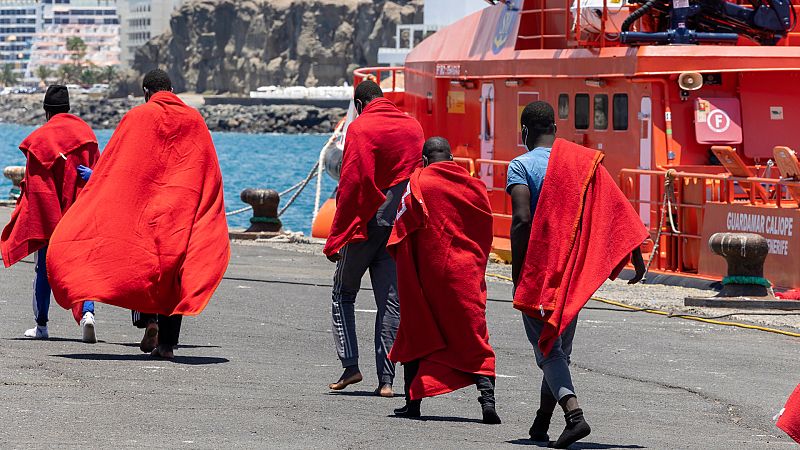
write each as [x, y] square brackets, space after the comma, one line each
[265, 210]
[15, 174]
[745, 254]
[745, 286]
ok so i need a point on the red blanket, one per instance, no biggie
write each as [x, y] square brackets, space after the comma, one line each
[584, 230]
[441, 242]
[790, 418]
[51, 183]
[382, 148]
[149, 230]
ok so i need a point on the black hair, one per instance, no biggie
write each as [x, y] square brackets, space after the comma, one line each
[56, 109]
[436, 144]
[539, 118]
[367, 91]
[157, 80]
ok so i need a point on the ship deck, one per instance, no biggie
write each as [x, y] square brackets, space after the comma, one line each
[252, 371]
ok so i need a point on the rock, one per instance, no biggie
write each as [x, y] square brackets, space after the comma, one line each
[237, 46]
[106, 114]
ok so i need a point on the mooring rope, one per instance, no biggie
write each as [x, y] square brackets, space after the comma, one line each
[300, 187]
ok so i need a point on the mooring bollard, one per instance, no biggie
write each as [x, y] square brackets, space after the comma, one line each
[745, 254]
[265, 210]
[745, 285]
[15, 174]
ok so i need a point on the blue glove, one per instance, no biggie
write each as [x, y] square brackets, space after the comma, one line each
[84, 172]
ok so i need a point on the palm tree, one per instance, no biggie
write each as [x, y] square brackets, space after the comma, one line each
[77, 47]
[109, 74]
[43, 73]
[88, 76]
[8, 77]
[66, 73]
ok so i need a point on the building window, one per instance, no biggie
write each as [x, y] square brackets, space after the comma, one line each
[620, 112]
[563, 106]
[581, 111]
[601, 112]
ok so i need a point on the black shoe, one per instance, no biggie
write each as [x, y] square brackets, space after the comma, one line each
[486, 388]
[410, 410]
[490, 416]
[576, 429]
[541, 424]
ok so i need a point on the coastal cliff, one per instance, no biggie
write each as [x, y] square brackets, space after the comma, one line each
[236, 46]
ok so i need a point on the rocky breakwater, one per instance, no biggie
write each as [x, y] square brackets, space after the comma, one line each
[102, 113]
[237, 46]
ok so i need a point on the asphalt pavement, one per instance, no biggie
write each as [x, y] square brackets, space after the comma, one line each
[252, 371]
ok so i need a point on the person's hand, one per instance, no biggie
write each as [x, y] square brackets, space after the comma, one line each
[638, 265]
[334, 258]
[84, 172]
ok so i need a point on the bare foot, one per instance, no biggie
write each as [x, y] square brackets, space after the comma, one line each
[350, 376]
[385, 390]
[163, 351]
[150, 339]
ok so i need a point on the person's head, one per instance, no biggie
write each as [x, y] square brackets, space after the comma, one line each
[436, 149]
[56, 100]
[155, 81]
[538, 125]
[365, 92]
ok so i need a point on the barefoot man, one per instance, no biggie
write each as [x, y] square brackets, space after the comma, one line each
[149, 231]
[381, 150]
[55, 153]
[441, 242]
[572, 228]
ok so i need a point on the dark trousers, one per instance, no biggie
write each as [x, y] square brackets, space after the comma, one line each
[169, 327]
[357, 259]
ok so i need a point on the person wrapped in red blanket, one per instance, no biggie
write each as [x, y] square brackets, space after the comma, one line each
[789, 420]
[572, 228]
[54, 153]
[441, 243]
[382, 148]
[149, 231]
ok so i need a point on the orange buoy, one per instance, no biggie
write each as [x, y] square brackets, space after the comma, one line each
[321, 227]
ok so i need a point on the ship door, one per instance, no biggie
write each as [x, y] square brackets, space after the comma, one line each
[487, 133]
[645, 158]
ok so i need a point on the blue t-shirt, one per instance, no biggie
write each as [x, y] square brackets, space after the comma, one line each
[529, 170]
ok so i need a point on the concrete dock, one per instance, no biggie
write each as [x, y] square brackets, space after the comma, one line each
[253, 369]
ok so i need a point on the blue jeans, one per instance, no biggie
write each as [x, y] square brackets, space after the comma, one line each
[41, 290]
[557, 380]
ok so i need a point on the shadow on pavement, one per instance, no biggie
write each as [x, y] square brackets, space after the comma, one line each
[52, 339]
[136, 345]
[187, 360]
[354, 393]
[575, 446]
[440, 419]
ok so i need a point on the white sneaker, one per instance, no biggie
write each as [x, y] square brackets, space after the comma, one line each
[37, 333]
[87, 326]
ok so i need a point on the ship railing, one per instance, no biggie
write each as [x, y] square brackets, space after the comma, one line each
[390, 79]
[682, 234]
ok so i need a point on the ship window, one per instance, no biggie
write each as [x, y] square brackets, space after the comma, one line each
[601, 112]
[620, 112]
[563, 106]
[581, 111]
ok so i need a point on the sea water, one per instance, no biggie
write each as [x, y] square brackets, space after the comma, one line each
[274, 161]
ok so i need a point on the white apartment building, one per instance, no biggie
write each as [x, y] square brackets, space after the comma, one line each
[17, 28]
[141, 20]
[96, 22]
[436, 14]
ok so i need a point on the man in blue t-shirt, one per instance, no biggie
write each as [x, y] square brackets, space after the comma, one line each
[526, 175]
[525, 178]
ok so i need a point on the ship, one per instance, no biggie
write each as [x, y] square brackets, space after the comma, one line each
[693, 103]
